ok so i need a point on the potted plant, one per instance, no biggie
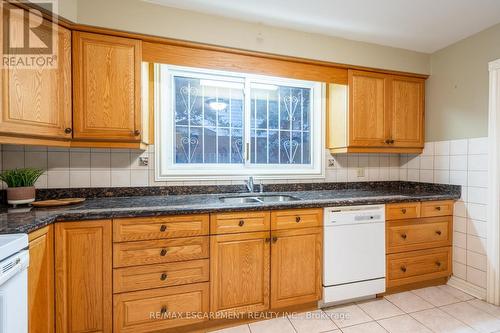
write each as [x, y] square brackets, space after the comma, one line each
[20, 182]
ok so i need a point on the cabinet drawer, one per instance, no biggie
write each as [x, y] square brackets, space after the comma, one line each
[418, 234]
[415, 266]
[296, 218]
[407, 210]
[228, 223]
[160, 275]
[436, 208]
[159, 251]
[159, 309]
[130, 229]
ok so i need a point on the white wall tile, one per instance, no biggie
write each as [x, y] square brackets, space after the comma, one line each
[58, 161]
[441, 176]
[458, 178]
[100, 161]
[413, 175]
[140, 177]
[428, 149]
[477, 228]
[100, 178]
[413, 162]
[442, 148]
[120, 160]
[476, 260]
[458, 162]
[36, 159]
[477, 195]
[476, 244]
[460, 224]
[478, 162]
[442, 162]
[460, 270]
[79, 160]
[58, 179]
[426, 162]
[458, 147]
[460, 240]
[426, 176]
[79, 178]
[478, 178]
[460, 209]
[460, 255]
[120, 178]
[477, 277]
[477, 211]
[12, 160]
[478, 146]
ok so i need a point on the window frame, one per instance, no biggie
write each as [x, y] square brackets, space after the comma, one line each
[165, 166]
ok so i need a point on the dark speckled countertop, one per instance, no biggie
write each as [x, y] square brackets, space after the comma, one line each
[25, 220]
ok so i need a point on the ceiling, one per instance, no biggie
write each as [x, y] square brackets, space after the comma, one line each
[420, 25]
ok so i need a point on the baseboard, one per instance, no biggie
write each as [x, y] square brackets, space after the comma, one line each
[467, 287]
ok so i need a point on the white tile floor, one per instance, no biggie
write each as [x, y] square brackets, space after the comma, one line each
[440, 309]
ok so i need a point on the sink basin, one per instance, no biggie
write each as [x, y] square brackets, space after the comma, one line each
[257, 199]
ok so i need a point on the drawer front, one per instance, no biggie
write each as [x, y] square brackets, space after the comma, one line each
[415, 266]
[160, 275]
[160, 251]
[418, 234]
[132, 229]
[228, 223]
[159, 309]
[296, 218]
[402, 211]
[436, 208]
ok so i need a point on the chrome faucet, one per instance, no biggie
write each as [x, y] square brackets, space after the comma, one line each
[249, 184]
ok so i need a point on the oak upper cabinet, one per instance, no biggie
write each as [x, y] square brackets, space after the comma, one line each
[239, 272]
[36, 102]
[41, 281]
[407, 112]
[107, 88]
[376, 112]
[295, 266]
[83, 275]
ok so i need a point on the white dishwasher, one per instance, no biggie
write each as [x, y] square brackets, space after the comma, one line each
[353, 253]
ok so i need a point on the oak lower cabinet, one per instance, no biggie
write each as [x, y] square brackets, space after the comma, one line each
[36, 102]
[296, 266]
[107, 89]
[240, 266]
[83, 275]
[41, 281]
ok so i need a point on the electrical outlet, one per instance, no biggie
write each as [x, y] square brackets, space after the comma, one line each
[331, 163]
[361, 172]
[143, 161]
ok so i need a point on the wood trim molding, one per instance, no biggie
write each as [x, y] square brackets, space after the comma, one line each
[326, 65]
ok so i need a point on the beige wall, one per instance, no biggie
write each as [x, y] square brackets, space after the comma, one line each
[143, 17]
[457, 91]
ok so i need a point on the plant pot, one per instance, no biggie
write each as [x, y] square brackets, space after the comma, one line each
[20, 195]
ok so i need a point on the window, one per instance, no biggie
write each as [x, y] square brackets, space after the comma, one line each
[212, 123]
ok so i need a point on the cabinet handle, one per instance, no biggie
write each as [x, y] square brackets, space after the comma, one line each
[163, 228]
[163, 276]
[163, 252]
[438, 207]
[137, 132]
[241, 223]
[68, 130]
[403, 210]
[403, 236]
[275, 239]
[387, 141]
[163, 310]
[268, 240]
[438, 264]
[297, 219]
[391, 141]
[403, 269]
[438, 232]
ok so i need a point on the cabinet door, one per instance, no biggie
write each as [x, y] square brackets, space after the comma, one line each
[367, 104]
[107, 87]
[296, 257]
[239, 271]
[83, 276]
[41, 281]
[407, 112]
[37, 102]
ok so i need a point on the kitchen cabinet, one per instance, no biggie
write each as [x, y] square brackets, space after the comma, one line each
[83, 276]
[376, 112]
[418, 244]
[107, 91]
[296, 266]
[41, 281]
[239, 272]
[36, 102]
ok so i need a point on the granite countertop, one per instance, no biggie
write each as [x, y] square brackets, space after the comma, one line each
[25, 220]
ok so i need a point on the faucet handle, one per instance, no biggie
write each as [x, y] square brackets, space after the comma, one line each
[261, 187]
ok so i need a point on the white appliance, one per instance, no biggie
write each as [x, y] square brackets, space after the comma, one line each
[353, 253]
[14, 259]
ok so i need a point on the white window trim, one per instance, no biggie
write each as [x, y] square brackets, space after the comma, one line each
[166, 170]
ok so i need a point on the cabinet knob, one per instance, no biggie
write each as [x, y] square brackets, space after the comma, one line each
[403, 210]
[163, 310]
[438, 264]
[68, 130]
[438, 207]
[403, 236]
[387, 141]
[163, 228]
[163, 277]
[403, 269]
[275, 239]
[241, 223]
[391, 141]
[438, 232]
[268, 240]
[163, 252]
[137, 132]
[297, 219]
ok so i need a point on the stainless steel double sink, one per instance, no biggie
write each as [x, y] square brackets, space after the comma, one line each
[258, 198]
